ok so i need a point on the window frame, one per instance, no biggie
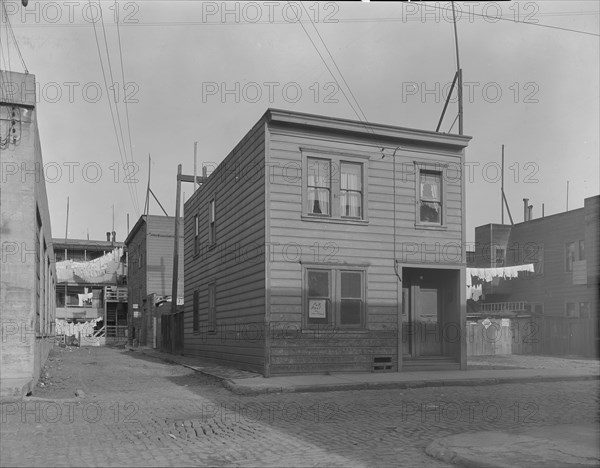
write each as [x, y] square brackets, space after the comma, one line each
[196, 234]
[211, 294]
[575, 312]
[196, 312]
[335, 297]
[431, 168]
[335, 159]
[212, 222]
[569, 268]
[581, 249]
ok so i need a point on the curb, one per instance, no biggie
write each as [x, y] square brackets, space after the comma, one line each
[440, 452]
[241, 389]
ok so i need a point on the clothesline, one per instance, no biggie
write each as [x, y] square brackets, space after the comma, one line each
[486, 274]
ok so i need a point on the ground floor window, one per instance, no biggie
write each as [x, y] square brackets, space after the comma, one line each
[335, 297]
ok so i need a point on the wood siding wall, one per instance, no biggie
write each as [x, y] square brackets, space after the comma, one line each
[555, 287]
[294, 241]
[159, 256]
[235, 263]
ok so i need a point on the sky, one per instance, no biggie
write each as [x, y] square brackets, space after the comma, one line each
[207, 71]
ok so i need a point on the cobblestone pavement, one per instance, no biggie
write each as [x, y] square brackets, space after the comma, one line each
[134, 410]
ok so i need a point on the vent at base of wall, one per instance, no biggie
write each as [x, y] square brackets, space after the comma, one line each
[382, 364]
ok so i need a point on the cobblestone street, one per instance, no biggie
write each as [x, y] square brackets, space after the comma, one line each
[133, 410]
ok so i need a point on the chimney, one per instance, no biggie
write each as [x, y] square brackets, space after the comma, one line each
[525, 209]
[108, 237]
[530, 214]
[114, 236]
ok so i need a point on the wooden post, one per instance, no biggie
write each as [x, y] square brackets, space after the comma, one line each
[176, 244]
[502, 188]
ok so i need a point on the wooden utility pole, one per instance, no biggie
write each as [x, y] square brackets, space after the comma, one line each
[502, 188]
[459, 72]
[176, 244]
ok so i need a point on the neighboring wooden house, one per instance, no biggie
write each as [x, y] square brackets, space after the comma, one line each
[27, 268]
[562, 292]
[323, 244]
[150, 272]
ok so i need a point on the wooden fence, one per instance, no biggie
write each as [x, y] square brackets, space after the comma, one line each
[172, 333]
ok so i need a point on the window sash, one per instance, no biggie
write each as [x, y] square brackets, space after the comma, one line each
[570, 255]
[343, 300]
[196, 311]
[430, 197]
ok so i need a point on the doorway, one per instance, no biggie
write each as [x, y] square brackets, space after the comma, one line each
[430, 314]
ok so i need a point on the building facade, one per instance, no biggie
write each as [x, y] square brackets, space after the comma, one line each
[323, 244]
[28, 274]
[564, 249]
[92, 289]
[560, 298]
[150, 276]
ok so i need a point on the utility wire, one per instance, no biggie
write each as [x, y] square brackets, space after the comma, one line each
[358, 115]
[110, 105]
[334, 64]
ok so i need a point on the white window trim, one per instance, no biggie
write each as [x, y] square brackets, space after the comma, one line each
[335, 158]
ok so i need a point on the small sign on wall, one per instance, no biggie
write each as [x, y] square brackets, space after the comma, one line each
[135, 306]
[505, 322]
[317, 308]
[136, 314]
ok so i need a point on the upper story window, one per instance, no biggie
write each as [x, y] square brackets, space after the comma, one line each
[212, 228]
[351, 197]
[430, 197]
[569, 255]
[319, 186]
[196, 234]
[335, 187]
[581, 250]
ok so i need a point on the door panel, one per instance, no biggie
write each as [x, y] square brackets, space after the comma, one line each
[427, 322]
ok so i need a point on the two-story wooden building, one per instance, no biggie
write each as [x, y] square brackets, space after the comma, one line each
[323, 244]
[150, 246]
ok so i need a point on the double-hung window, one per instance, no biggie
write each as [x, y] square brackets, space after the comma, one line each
[334, 187]
[212, 308]
[212, 228]
[569, 255]
[430, 197]
[319, 186]
[335, 297]
[351, 197]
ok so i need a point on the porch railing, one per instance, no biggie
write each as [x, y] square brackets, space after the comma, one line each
[495, 307]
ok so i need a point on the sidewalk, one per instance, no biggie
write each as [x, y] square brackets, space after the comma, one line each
[494, 370]
[565, 445]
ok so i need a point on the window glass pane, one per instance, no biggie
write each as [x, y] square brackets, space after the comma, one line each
[318, 283]
[570, 252]
[581, 250]
[319, 173]
[351, 204]
[431, 212]
[351, 284]
[212, 211]
[570, 309]
[430, 186]
[350, 311]
[351, 176]
[318, 201]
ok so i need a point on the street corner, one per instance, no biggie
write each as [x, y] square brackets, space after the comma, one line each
[539, 447]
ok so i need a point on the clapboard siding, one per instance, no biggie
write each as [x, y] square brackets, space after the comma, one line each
[370, 245]
[556, 286]
[160, 232]
[235, 263]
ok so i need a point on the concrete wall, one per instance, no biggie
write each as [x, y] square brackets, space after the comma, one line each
[28, 274]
